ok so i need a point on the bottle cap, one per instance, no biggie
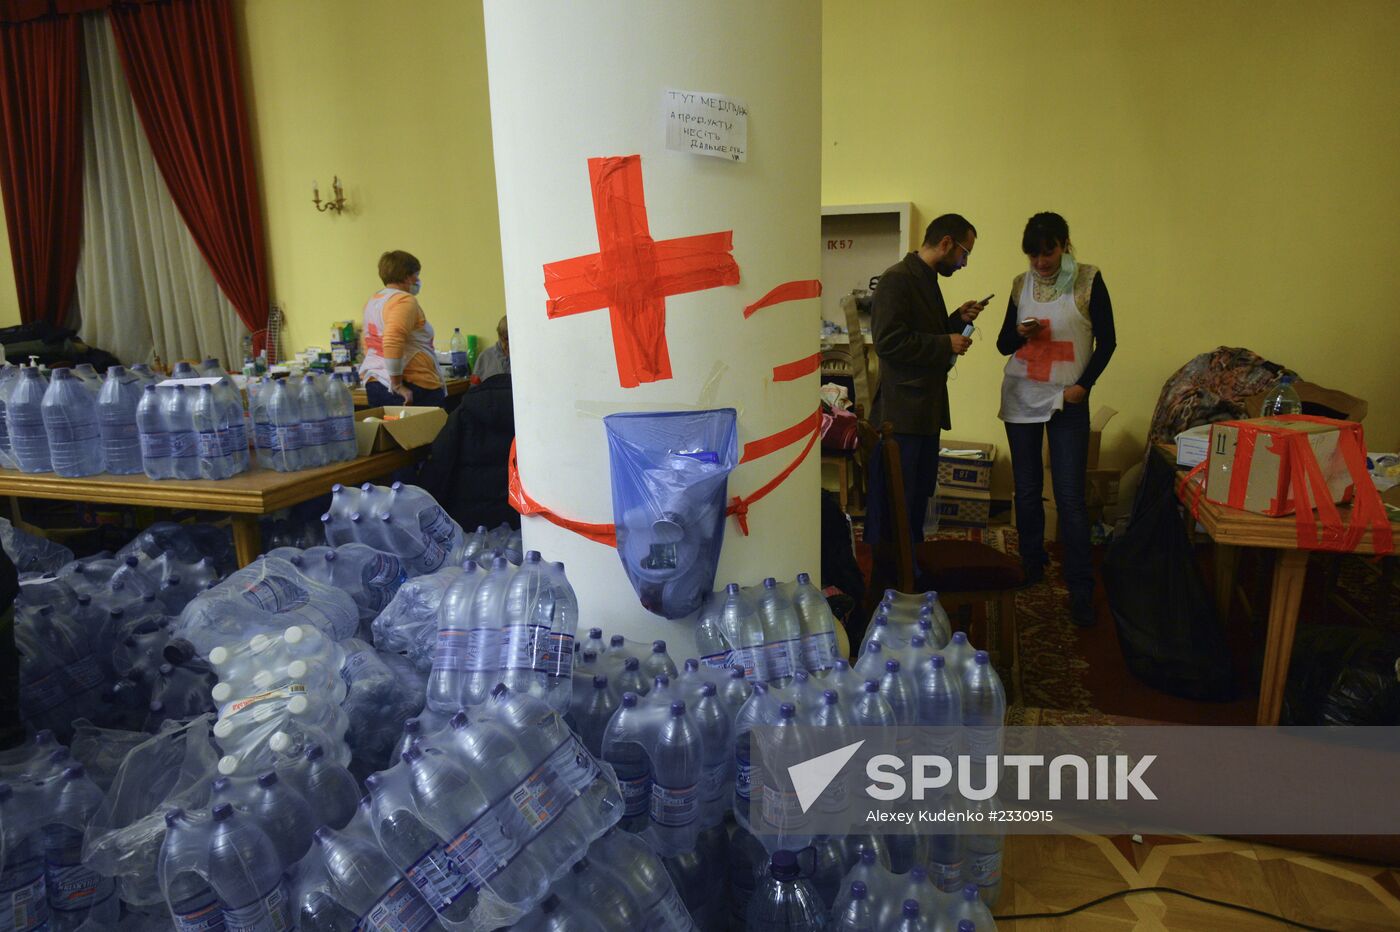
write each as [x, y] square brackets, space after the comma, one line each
[658, 647]
[783, 865]
[692, 665]
[770, 583]
[707, 689]
[829, 696]
[267, 779]
[459, 720]
[937, 661]
[867, 855]
[787, 710]
[803, 579]
[223, 812]
[858, 890]
[677, 708]
[315, 752]
[981, 657]
[595, 634]
[891, 666]
[911, 909]
[631, 663]
[732, 589]
[171, 817]
[661, 681]
[600, 682]
[616, 640]
[629, 700]
[735, 673]
[871, 686]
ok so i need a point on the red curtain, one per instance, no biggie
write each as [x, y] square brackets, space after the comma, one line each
[41, 161]
[181, 62]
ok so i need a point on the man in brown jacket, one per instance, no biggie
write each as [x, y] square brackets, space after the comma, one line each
[917, 340]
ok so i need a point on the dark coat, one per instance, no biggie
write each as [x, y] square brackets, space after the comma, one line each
[910, 325]
[466, 470]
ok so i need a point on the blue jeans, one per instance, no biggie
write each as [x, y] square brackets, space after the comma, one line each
[918, 458]
[380, 395]
[1068, 432]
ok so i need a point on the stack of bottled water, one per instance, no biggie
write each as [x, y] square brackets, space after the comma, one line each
[400, 519]
[370, 577]
[500, 624]
[29, 439]
[484, 814]
[871, 897]
[771, 633]
[31, 553]
[302, 424]
[265, 598]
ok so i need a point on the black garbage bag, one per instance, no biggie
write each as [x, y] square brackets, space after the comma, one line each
[1343, 676]
[1167, 625]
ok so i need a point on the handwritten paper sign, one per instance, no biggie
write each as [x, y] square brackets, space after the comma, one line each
[706, 124]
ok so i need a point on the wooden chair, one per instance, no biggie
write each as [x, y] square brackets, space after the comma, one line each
[963, 572]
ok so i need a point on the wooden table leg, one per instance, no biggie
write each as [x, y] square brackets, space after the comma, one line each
[1290, 567]
[247, 538]
[1227, 559]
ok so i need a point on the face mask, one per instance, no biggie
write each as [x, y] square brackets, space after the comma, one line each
[416, 287]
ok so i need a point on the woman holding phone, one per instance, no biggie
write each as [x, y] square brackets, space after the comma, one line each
[1059, 335]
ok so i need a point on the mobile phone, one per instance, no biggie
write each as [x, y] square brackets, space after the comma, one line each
[989, 297]
[1030, 320]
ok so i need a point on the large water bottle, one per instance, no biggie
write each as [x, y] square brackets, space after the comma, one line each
[315, 425]
[784, 901]
[233, 422]
[178, 408]
[88, 377]
[329, 788]
[144, 373]
[870, 709]
[340, 408]
[819, 650]
[487, 607]
[284, 420]
[782, 813]
[898, 690]
[943, 853]
[9, 376]
[629, 761]
[828, 713]
[743, 626]
[155, 437]
[77, 894]
[414, 847]
[193, 903]
[528, 616]
[969, 908]
[246, 874]
[1282, 399]
[214, 453]
[558, 657]
[983, 708]
[958, 654]
[458, 345]
[714, 722]
[70, 419]
[678, 760]
[116, 421]
[638, 870]
[367, 885]
[593, 717]
[782, 633]
[24, 413]
[447, 683]
[658, 662]
[259, 393]
[855, 913]
[939, 704]
[284, 814]
[23, 893]
[711, 643]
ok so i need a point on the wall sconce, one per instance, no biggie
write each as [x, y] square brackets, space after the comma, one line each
[337, 205]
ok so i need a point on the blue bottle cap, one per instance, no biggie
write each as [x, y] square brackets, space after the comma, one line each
[871, 686]
[629, 700]
[911, 909]
[223, 812]
[600, 682]
[677, 709]
[658, 647]
[707, 689]
[891, 666]
[858, 890]
[787, 710]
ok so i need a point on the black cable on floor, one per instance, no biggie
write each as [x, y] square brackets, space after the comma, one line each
[1123, 893]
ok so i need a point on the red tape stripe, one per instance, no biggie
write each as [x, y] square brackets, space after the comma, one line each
[787, 291]
[783, 438]
[789, 371]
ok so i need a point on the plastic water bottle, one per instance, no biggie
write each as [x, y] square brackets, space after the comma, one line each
[24, 412]
[455, 647]
[215, 458]
[486, 609]
[461, 368]
[340, 409]
[412, 846]
[88, 377]
[784, 901]
[144, 373]
[9, 376]
[658, 662]
[714, 722]
[528, 613]
[77, 894]
[969, 908]
[828, 713]
[193, 903]
[116, 421]
[856, 913]
[958, 655]
[284, 431]
[637, 869]
[282, 809]
[939, 703]
[630, 763]
[898, 691]
[315, 425]
[944, 853]
[155, 438]
[782, 634]
[819, 650]
[711, 643]
[1282, 399]
[983, 708]
[678, 760]
[70, 419]
[367, 885]
[870, 709]
[329, 788]
[870, 665]
[178, 409]
[233, 423]
[23, 892]
[741, 623]
[246, 874]
[259, 393]
[597, 711]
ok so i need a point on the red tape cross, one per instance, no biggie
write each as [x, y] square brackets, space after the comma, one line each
[809, 427]
[632, 275]
[787, 291]
[1041, 352]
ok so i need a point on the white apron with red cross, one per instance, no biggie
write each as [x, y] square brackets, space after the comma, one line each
[1037, 374]
[419, 340]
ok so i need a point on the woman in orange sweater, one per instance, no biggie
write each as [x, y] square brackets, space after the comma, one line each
[400, 365]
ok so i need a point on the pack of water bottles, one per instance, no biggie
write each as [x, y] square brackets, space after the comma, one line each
[623, 880]
[32, 554]
[370, 577]
[870, 896]
[484, 814]
[302, 424]
[400, 519]
[770, 631]
[498, 623]
[266, 597]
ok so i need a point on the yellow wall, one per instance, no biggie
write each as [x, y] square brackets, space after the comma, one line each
[9, 297]
[391, 97]
[1230, 166]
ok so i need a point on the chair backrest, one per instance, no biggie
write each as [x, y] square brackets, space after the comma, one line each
[897, 510]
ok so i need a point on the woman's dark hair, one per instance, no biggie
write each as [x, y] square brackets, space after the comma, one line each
[1044, 232]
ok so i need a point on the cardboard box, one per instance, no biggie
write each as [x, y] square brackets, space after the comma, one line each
[1250, 469]
[966, 472]
[413, 427]
[963, 507]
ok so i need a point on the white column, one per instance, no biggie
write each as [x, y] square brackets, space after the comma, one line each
[574, 80]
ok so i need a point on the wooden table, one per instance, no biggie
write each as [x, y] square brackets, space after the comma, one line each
[1232, 529]
[455, 387]
[244, 497]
